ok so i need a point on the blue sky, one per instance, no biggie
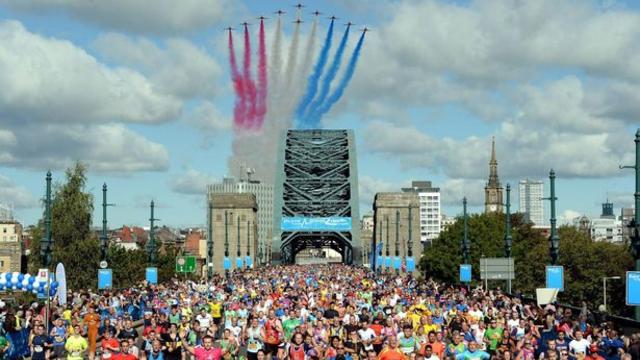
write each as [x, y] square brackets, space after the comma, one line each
[142, 95]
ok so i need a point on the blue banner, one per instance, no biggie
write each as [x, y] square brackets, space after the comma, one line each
[248, 261]
[238, 263]
[633, 288]
[226, 264]
[465, 273]
[397, 263]
[555, 277]
[387, 261]
[411, 264]
[105, 279]
[379, 248]
[299, 223]
[152, 275]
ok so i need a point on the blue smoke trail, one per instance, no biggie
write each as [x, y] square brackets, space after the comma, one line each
[337, 94]
[312, 86]
[328, 78]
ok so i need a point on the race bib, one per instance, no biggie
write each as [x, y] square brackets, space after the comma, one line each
[37, 348]
[106, 355]
[75, 353]
[253, 347]
[59, 339]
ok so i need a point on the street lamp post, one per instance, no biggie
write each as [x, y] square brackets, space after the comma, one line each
[210, 243]
[410, 239]
[248, 238]
[635, 224]
[103, 236]
[397, 238]
[465, 239]
[387, 250]
[46, 246]
[238, 253]
[226, 240]
[554, 241]
[507, 234]
[152, 239]
[604, 289]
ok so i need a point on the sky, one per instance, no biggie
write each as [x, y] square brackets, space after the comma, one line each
[140, 91]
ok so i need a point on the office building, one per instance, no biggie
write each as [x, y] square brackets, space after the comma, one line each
[430, 217]
[530, 194]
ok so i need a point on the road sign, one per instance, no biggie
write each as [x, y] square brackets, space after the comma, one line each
[105, 279]
[497, 269]
[633, 288]
[185, 264]
[555, 277]
[103, 264]
[43, 273]
[465, 273]
[152, 275]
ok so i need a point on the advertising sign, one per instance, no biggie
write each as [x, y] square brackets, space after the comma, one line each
[185, 264]
[152, 275]
[555, 277]
[334, 223]
[465, 273]
[411, 264]
[633, 288]
[105, 279]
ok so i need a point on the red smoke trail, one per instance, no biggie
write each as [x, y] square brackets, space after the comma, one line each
[249, 84]
[238, 85]
[262, 78]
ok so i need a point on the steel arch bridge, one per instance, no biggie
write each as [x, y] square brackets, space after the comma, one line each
[317, 183]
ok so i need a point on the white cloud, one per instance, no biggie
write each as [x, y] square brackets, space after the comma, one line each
[192, 182]
[178, 68]
[105, 148]
[54, 81]
[453, 190]
[144, 16]
[207, 118]
[16, 195]
[567, 217]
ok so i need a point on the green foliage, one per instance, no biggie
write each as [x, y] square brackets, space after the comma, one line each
[585, 260]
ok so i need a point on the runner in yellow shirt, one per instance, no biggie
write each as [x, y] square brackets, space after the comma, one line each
[76, 345]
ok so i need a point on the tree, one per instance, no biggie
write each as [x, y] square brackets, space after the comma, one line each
[585, 260]
[74, 244]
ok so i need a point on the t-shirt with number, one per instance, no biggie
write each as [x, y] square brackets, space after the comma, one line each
[38, 347]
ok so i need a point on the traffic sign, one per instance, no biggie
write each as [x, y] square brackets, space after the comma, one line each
[105, 279]
[152, 275]
[185, 264]
[633, 288]
[497, 269]
[555, 277]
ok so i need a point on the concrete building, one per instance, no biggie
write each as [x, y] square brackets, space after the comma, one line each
[493, 190]
[397, 227]
[234, 218]
[264, 197]
[10, 246]
[530, 194]
[607, 227]
[429, 197]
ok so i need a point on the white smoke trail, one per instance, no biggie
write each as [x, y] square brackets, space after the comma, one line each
[275, 66]
[293, 56]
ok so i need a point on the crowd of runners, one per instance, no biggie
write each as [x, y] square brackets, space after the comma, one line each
[314, 312]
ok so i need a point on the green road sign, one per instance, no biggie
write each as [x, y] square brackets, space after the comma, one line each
[185, 264]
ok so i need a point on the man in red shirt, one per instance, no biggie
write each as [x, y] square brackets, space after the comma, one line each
[124, 354]
[110, 346]
[379, 340]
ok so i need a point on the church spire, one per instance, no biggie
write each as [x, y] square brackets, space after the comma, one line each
[494, 181]
[493, 190]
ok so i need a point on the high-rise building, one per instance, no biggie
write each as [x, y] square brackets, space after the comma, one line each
[429, 197]
[626, 216]
[493, 190]
[531, 193]
[264, 197]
